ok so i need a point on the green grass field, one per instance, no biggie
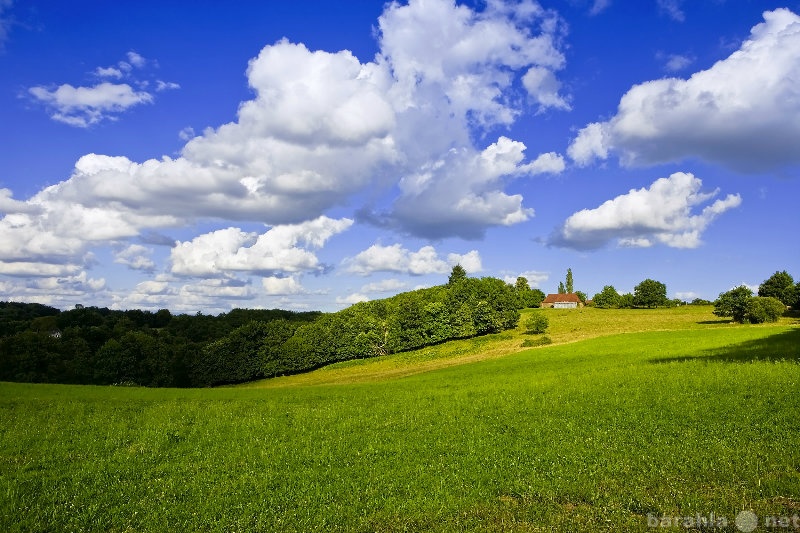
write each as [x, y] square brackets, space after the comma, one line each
[664, 413]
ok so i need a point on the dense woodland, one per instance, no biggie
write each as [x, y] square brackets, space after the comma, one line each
[90, 345]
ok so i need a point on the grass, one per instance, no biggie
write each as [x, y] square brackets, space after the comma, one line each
[580, 436]
[566, 325]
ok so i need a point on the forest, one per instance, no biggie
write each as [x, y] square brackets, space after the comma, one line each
[90, 345]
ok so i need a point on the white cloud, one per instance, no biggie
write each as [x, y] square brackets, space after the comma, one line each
[395, 258]
[187, 133]
[352, 299]
[534, 277]
[386, 285]
[57, 289]
[662, 213]
[543, 87]
[740, 112]
[136, 60]
[677, 62]
[598, 6]
[276, 251]
[672, 8]
[460, 194]
[136, 257]
[84, 106]
[166, 85]
[470, 261]
[274, 285]
[108, 72]
[320, 129]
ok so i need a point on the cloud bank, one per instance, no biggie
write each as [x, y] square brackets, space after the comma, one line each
[661, 214]
[733, 113]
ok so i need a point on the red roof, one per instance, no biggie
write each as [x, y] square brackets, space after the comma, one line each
[556, 298]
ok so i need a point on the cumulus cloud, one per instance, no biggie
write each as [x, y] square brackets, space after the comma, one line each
[663, 213]
[281, 286]
[136, 257]
[535, 278]
[460, 193]
[740, 112]
[276, 251]
[321, 129]
[396, 258]
[386, 285]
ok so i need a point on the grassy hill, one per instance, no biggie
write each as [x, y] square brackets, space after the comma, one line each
[628, 416]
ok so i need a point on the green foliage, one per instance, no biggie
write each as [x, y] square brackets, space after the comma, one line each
[650, 293]
[700, 301]
[764, 309]
[457, 274]
[561, 288]
[90, 345]
[570, 286]
[537, 341]
[780, 285]
[582, 296]
[528, 297]
[626, 301]
[607, 298]
[536, 324]
[733, 303]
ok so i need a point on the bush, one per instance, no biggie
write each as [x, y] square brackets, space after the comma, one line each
[536, 324]
[763, 309]
[538, 341]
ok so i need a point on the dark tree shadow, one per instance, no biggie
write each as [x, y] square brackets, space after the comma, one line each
[781, 346]
[719, 321]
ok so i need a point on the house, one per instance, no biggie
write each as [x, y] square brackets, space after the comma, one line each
[562, 301]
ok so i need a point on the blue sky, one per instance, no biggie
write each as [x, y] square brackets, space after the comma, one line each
[201, 156]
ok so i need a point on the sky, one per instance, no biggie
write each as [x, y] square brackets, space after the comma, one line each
[203, 156]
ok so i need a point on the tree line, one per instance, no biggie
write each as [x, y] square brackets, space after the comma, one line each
[90, 345]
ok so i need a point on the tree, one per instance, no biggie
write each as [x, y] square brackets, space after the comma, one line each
[764, 309]
[570, 286]
[780, 285]
[561, 289]
[607, 298]
[536, 324]
[650, 293]
[522, 284]
[457, 274]
[581, 295]
[733, 303]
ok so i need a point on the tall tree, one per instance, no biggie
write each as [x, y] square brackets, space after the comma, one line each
[780, 285]
[570, 286]
[561, 289]
[457, 274]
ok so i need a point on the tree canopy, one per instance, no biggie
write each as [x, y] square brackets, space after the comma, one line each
[650, 293]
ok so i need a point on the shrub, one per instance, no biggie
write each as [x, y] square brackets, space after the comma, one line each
[763, 309]
[536, 324]
[538, 341]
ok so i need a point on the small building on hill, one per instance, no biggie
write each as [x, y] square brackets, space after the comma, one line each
[562, 301]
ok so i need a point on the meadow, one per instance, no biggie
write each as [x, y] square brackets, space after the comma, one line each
[628, 415]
